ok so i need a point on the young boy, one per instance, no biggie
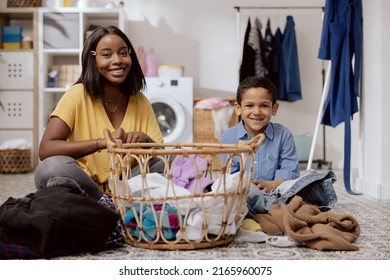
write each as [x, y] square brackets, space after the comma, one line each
[276, 159]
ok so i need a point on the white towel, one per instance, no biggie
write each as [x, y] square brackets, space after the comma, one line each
[221, 118]
[17, 143]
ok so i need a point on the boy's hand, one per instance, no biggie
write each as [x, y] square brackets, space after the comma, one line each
[259, 184]
[267, 186]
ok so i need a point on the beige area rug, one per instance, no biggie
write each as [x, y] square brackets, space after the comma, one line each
[372, 215]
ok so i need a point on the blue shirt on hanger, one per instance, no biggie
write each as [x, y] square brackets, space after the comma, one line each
[291, 66]
[341, 42]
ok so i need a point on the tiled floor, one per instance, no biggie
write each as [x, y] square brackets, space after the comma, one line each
[372, 215]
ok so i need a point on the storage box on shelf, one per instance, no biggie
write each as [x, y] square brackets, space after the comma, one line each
[18, 83]
[12, 37]
[17, 24]
[61, 30]
[17, 70]
[24, 3]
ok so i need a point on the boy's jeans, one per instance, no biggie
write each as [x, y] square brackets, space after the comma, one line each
[314, 187]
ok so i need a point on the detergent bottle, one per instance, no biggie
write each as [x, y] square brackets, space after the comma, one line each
[142, 59]
[151, 64]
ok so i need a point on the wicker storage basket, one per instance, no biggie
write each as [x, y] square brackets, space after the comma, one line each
[157, 214]
[204, 126]
[15, 161]
[24, 3]
[204, 129]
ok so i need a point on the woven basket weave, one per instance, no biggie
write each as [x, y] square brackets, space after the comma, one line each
[24, 3]
[204, 126]
[204, 129]
[15, 161]
[147, 201]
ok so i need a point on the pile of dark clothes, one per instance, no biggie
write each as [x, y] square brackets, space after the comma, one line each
[56, 221]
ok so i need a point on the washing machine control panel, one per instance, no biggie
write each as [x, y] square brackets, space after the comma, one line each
[174, 83]
[159, 83]
[171, 83]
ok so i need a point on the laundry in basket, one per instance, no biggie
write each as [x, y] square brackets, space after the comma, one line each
[204, 219]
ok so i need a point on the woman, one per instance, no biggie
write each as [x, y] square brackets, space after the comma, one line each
[106, 95]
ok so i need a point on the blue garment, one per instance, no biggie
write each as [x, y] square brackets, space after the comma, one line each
[277, 76]
[292, 81]
[152, 222]
[247, 68]
[341, 40]
[315, 188]
[267, 49]
[276, 157]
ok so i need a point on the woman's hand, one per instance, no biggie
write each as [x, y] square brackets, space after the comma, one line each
[120, 134]
[131, 137]
[138, 137]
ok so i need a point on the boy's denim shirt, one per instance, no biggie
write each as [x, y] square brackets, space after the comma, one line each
[275, 158]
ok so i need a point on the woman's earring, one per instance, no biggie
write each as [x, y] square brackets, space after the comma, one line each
[93, 53]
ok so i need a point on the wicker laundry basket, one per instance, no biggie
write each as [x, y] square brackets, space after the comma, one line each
[24, 3]
[204, 126]
[204, 129]
[159, 213]
[14, 161]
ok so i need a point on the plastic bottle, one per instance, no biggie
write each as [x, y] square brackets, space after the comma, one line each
[151, 64]
[67, 3]
[142, 59]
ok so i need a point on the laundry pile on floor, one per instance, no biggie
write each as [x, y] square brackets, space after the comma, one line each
[56, 221]
[301, 224]
[299, 213]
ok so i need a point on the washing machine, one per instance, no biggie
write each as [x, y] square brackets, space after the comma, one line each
[172, 101]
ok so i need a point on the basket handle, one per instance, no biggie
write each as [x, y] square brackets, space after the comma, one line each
[254, 142]
[111, 143]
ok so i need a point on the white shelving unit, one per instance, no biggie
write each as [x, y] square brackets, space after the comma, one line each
[60, 43]
[18, 83]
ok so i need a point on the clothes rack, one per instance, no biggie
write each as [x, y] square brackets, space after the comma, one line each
[325, 78]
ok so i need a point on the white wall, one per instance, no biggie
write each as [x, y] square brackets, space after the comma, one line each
[374, 178]
[201, 35]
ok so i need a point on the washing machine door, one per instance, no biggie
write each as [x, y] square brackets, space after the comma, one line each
[170, 117]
